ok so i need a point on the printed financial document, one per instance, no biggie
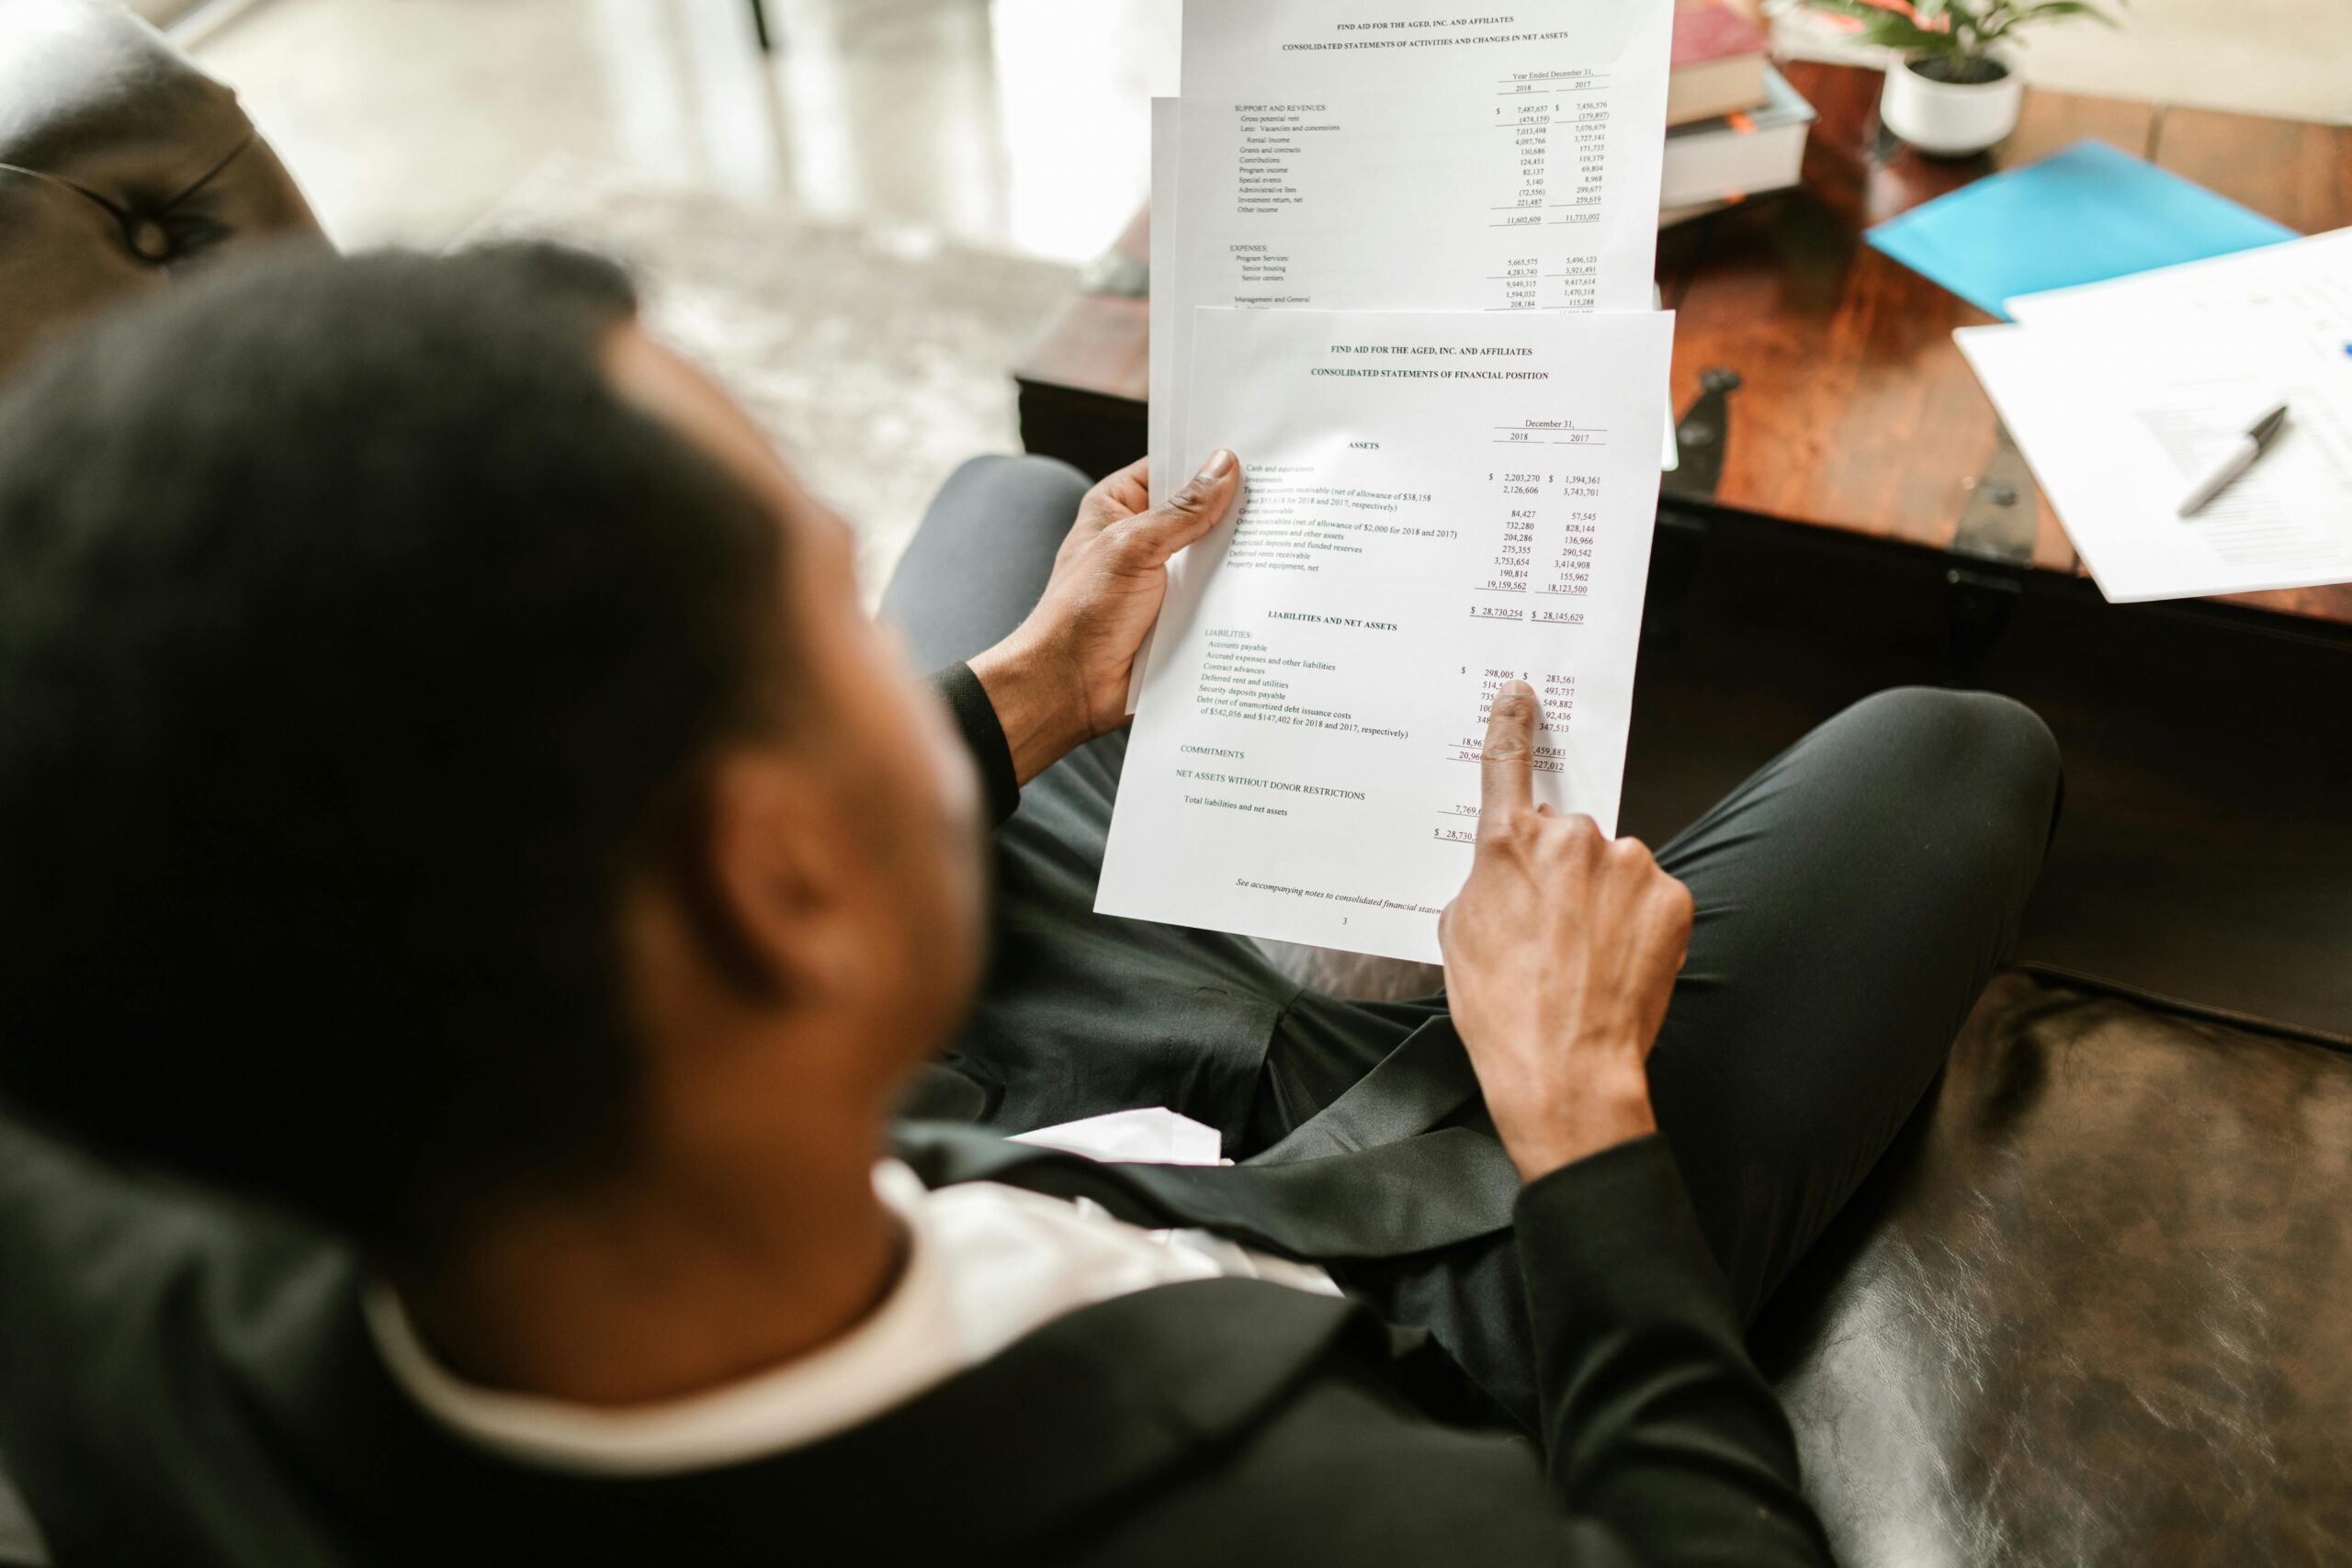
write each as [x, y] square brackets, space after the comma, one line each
[1326, 160]
[1452, 226]
[1419, 160]
[1433, 505]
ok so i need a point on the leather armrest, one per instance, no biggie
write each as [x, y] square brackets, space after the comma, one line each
[120, 163]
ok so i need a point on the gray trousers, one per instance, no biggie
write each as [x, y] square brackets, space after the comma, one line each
[1853, 899]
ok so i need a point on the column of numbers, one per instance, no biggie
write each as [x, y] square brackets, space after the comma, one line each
[1568, 566]
[1557, 697]
[1553, 127]
[1511, 568]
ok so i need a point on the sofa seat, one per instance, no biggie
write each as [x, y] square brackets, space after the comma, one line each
[2094, 1307]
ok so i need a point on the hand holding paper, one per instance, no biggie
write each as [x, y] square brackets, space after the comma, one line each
[1434, 505]
[1061, 678]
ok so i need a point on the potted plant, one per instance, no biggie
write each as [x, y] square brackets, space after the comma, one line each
[1954, 91]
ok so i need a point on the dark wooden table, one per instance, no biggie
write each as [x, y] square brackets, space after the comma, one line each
[1854, 411]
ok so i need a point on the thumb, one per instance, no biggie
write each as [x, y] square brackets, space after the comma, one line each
[1150, 537]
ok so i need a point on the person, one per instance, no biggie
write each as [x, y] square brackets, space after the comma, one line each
[477, 894]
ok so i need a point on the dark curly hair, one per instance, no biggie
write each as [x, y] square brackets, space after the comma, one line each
[356, 638]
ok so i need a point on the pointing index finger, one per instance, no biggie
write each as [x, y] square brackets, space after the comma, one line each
[1506, 764]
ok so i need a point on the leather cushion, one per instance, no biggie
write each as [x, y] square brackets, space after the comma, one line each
[120, 162]
[2094, 1307]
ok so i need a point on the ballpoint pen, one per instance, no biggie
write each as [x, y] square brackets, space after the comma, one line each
[2236, 460]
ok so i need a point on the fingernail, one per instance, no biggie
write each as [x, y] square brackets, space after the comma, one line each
[1220, 462]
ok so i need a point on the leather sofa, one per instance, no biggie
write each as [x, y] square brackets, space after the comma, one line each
[2094, 1307]
[120, 165]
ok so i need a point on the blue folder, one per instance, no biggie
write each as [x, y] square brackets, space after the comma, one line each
[2084, 215]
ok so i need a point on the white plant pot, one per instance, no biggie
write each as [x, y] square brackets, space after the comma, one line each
[1949, 119]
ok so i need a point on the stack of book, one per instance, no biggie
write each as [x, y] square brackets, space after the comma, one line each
[1735, 126]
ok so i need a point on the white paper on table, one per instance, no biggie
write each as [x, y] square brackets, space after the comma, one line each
[2299, 289]
[1433, 505]
[2119, 421]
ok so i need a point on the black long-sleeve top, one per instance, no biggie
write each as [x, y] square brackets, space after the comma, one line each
[974, 715]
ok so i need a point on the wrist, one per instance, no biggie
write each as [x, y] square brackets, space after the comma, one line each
[1576, 1116]
[1040, 708]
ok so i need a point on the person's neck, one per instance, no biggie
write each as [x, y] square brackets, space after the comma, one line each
[701, 1273]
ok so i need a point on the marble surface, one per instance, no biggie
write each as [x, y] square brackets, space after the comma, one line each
[874, 354]
[1021, 124]
[1018, 123]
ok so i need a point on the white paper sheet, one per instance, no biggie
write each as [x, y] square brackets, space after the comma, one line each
[2119, 419]
[1238, 47]
[1433, 505]
[1327, 162]
[2300, 289]
[1497, 202]
[1152, 1136]
[1424, 159]
[1167, 218]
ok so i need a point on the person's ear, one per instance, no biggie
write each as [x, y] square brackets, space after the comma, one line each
[781, 875]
